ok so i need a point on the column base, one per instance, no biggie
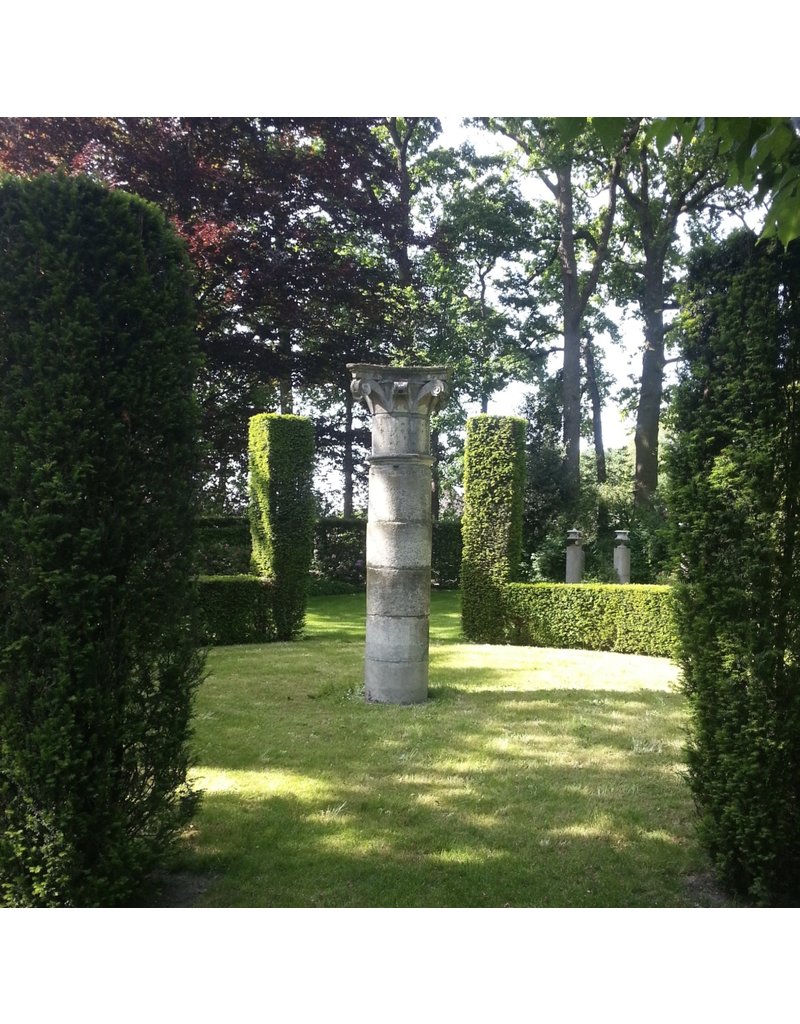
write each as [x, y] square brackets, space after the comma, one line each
[396, 682]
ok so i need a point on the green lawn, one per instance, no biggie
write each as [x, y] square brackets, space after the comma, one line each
[530, 778]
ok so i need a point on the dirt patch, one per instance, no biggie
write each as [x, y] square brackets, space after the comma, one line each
[703, 891]
[176, 889]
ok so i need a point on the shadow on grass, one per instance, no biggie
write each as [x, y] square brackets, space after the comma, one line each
[479, 798]
[529, 778]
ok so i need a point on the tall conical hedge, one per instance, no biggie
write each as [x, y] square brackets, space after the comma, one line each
[98, 461]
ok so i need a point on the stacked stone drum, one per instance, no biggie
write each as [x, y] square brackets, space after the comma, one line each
[401, 401]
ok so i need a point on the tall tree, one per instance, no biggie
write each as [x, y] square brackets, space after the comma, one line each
[659, 189]
[258, 201]
[481, 228]
[565, 157]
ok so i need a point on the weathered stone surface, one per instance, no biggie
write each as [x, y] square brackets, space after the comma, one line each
[400, 434]
[622, 556]
[399, 545]
[393, 638]
[575, 557]
[396, 682]
[401, 400]
[400, 389]
[399, 591]
[399, 491]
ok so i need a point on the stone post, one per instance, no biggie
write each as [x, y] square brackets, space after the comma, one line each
[401, 400]
[622, 555]
[575, 557]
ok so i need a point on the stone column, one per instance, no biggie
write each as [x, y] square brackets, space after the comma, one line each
[575, 557]
[622, 556]
[401, 400]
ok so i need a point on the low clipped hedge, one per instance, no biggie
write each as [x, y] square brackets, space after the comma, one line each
[628, 619]
[236, 610]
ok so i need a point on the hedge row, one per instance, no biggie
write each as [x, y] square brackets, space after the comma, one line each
[628, 619]
[338, 563]
[734, 467]
[340, 552]
[236, 610]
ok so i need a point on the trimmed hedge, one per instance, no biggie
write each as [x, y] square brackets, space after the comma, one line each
[628, 619]
[98, 473]
[340, 552]
[339, 563]
[494, 477]
[236, 609]
[224, 547]
[446, 554]
[282, 512]
[734, 467]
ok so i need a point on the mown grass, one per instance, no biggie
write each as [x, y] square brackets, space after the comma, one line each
[530, 778]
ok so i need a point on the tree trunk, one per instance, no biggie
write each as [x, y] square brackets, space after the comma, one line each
[573, 311]
[597, 409]
[571, 393]
[648, 413]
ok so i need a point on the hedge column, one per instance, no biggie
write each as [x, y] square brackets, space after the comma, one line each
[282, 512]
[494, 477]
[401, 401]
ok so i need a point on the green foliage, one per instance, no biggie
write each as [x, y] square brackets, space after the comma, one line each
[339, 565]
[494, 474]
[223, 545]
[735, 470]
[446, 553]
[628, 619]
[340, 552]
[236, 609]
[282, 512]
[601, 509]
[98, 462]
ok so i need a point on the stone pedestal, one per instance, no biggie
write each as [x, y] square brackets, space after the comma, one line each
[575, 557]
[622, 556]
[401, 400]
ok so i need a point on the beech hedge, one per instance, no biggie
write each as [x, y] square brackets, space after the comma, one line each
[282, 512]
[236, 610]
[628, 619]
[494, 476]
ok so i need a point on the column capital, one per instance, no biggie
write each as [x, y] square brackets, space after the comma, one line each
[411, 390]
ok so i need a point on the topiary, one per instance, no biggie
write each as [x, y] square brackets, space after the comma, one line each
[734, 465]
[98, 660]
[494, 474]
[282, 512]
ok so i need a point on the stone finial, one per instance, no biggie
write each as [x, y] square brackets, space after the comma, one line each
[575, 557]
[622, 556]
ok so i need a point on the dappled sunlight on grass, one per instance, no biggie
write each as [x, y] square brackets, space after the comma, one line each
[530, 778]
